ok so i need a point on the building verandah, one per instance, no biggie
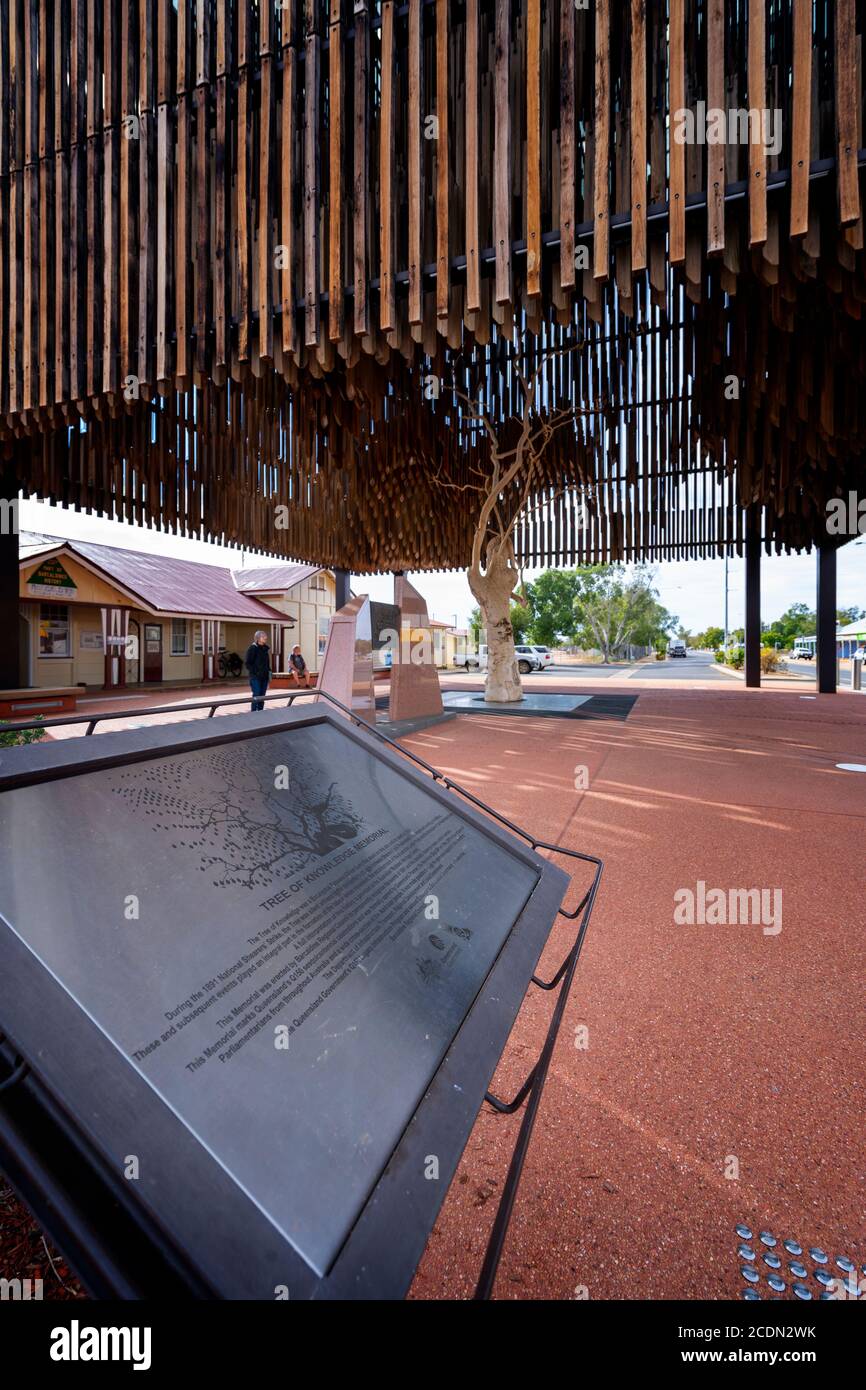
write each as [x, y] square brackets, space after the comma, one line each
[84, 620]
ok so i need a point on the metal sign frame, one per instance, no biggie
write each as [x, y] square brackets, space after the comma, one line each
[63, 1150]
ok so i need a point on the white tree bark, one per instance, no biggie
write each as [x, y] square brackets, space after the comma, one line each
[505, 492]
[493, 587]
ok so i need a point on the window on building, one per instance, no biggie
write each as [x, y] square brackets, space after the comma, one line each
[323, 634]
[54, 634]
[179, 637]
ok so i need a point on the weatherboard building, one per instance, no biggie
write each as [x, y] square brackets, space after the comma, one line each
[98, 615]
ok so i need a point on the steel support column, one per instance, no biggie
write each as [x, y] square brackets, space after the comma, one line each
[825, 650]
[343, 591]
[12, 677]
[753, 598]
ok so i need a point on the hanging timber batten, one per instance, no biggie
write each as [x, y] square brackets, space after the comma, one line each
[254, 258]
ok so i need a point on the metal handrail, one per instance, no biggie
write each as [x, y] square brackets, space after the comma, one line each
[91, 720]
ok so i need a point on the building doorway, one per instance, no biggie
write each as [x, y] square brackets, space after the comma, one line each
[133, 653]
[152, 652]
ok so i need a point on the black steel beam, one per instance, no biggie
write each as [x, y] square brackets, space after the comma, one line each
[11, 675]
[826, 645]
[343, 593]
[753, 598]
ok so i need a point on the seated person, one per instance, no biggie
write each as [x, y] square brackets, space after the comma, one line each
[298, 667]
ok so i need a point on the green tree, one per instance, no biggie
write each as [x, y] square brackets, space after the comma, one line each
[521, 617]
[797, 621]
[844, 616]
[711, 639]
[551, 606]
[615, 608]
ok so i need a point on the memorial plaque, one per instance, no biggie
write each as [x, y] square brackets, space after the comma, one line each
[206, 907]
[384, 622]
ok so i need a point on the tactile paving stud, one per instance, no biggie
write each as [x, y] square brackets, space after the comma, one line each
[777, 1284]
[751, 1295]
[851, 1287]
[818, 1255]
[802, 1292]
[844, 1263]
[824, 1277]
[743, 1232]
[767, 1238]
[750, 1274]
[792, 1247]
[798, 1270]
[745, 1252]
[773, 1261]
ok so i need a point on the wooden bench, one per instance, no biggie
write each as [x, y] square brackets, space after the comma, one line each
[287, 680]
[30, 702]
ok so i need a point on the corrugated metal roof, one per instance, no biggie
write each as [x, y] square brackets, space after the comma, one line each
[169, 585]
[273, 578]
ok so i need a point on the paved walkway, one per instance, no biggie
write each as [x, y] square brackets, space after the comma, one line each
[710, 1049]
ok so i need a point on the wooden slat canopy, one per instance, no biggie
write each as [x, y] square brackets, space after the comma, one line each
[251, 257]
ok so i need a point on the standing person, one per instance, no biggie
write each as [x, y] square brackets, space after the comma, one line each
[299, 666]
[258, 664]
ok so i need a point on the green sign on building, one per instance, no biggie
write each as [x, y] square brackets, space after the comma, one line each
[50, 580]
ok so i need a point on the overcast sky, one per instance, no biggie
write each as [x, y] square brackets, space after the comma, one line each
[693, 590]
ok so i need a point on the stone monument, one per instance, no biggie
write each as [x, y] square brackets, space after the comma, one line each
[415, 692]
[347, 666]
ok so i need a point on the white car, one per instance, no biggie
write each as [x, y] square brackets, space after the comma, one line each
[473, 661]
[545, 656]
[529, 658]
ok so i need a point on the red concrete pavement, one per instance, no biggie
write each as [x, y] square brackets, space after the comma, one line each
[705, 1043]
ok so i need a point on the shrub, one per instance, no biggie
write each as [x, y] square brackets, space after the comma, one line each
[11, 738]
[770, 660]
[720, 656]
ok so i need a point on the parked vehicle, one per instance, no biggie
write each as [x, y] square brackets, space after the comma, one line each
[676, 647]
[803, 650]
[473, 661]
[528, 658]
[545, 654]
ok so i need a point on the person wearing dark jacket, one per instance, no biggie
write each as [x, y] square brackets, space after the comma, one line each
[258, 664]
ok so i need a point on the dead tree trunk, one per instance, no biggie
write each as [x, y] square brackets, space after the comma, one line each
[493, 587]
[506, 489]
